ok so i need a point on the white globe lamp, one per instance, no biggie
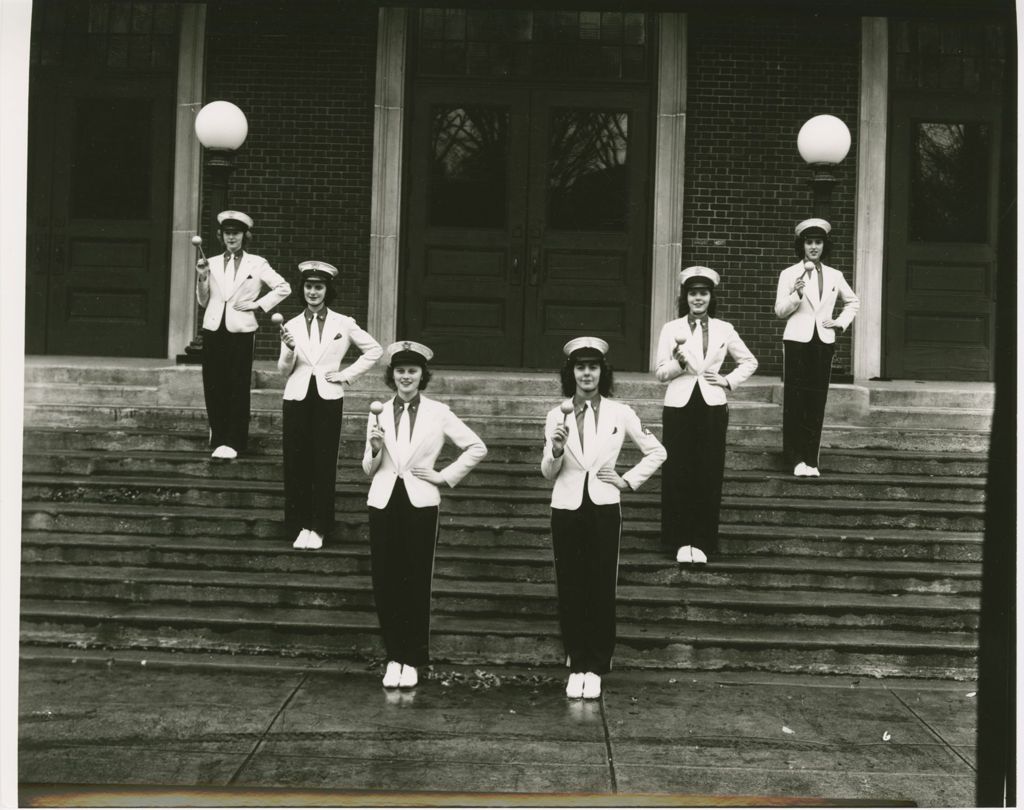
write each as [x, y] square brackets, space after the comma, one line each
[221, 125]
[823, 139]
[823, 142]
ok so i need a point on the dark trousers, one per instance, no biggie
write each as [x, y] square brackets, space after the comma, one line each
[807, 369]
[586, 546]
[691, 477]
[227, 378]
[312, 431]
[402, 541]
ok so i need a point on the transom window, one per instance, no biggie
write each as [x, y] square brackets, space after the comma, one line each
[523, 44]
[106, 35]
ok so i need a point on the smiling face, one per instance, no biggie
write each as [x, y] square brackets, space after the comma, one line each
[314, 291]
[698, 299]
[407, 378]
[813, 248]
[588, 377]
[233, 238]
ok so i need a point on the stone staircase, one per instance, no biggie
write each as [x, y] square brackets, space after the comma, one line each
[134, 539]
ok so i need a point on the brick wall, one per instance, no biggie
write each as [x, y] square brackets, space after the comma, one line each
[753, 81]
[303, 73]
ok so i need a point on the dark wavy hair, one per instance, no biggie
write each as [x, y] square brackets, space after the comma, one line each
[798, 245]
[683, 309]
[568, 377]
[389, 373]
[328, 292]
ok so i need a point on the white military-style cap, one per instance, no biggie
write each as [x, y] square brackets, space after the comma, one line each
[586, 346]
[406, 350]
[814, 223]
[234, 216]
[323, 270]
[699, 272]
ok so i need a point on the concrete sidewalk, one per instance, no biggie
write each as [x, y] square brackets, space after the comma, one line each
[302, 733]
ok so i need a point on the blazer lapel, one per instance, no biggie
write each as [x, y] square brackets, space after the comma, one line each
[606, 422]
[694, 347]
[714, 338]
[426, 417]
[302, 342]
[239, 276]
[811, 288]
[217, 273]
[316, 350]
[573, 443]
[387, 423]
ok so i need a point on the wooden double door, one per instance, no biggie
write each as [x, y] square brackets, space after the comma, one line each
[943, 237]
[99, 214]
[527, 221]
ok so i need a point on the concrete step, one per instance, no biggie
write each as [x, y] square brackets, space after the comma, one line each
[188, 450]
[193, 420]
[134, 539]
[493, 472]
[803, 560]
[332, 633]
[629, 385]
[647, 604]
[230, 493]
[954, 417]
[933, 395]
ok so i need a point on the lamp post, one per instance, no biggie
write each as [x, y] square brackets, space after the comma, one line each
[823, 142]
[221, 128]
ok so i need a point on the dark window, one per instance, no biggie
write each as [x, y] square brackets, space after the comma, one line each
[588, 170]
[480, 43]
[108, 36]
[469, 166]
[949, 182]
[947, 55]
[110, 167]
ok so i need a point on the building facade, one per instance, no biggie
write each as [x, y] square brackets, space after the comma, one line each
[492, 182]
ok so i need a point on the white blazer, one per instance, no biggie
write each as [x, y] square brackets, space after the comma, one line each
[722, 340]
[614, 421]
[805, 314]
[435, 422]
[317, 359]
[220, 289]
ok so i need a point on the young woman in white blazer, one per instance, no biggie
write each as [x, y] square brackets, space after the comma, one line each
[403, 442]
[583, 438]
[806, 300]
[229, 287]
[313, 347]
[695, 417]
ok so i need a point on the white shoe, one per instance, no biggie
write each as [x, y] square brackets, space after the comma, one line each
[219, 452]
[409, 677]
[812, 472]
[801, 470]
[302, 541]
[690, 554]
[392, 675]
[314, 540]
[591, 686]
[229, 452]
[574, 687]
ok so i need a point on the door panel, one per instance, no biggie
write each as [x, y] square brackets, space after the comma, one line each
[587, 212]
[110, 214]
[942, 239]
[463, 277]
[101, 129]
[527, 217]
